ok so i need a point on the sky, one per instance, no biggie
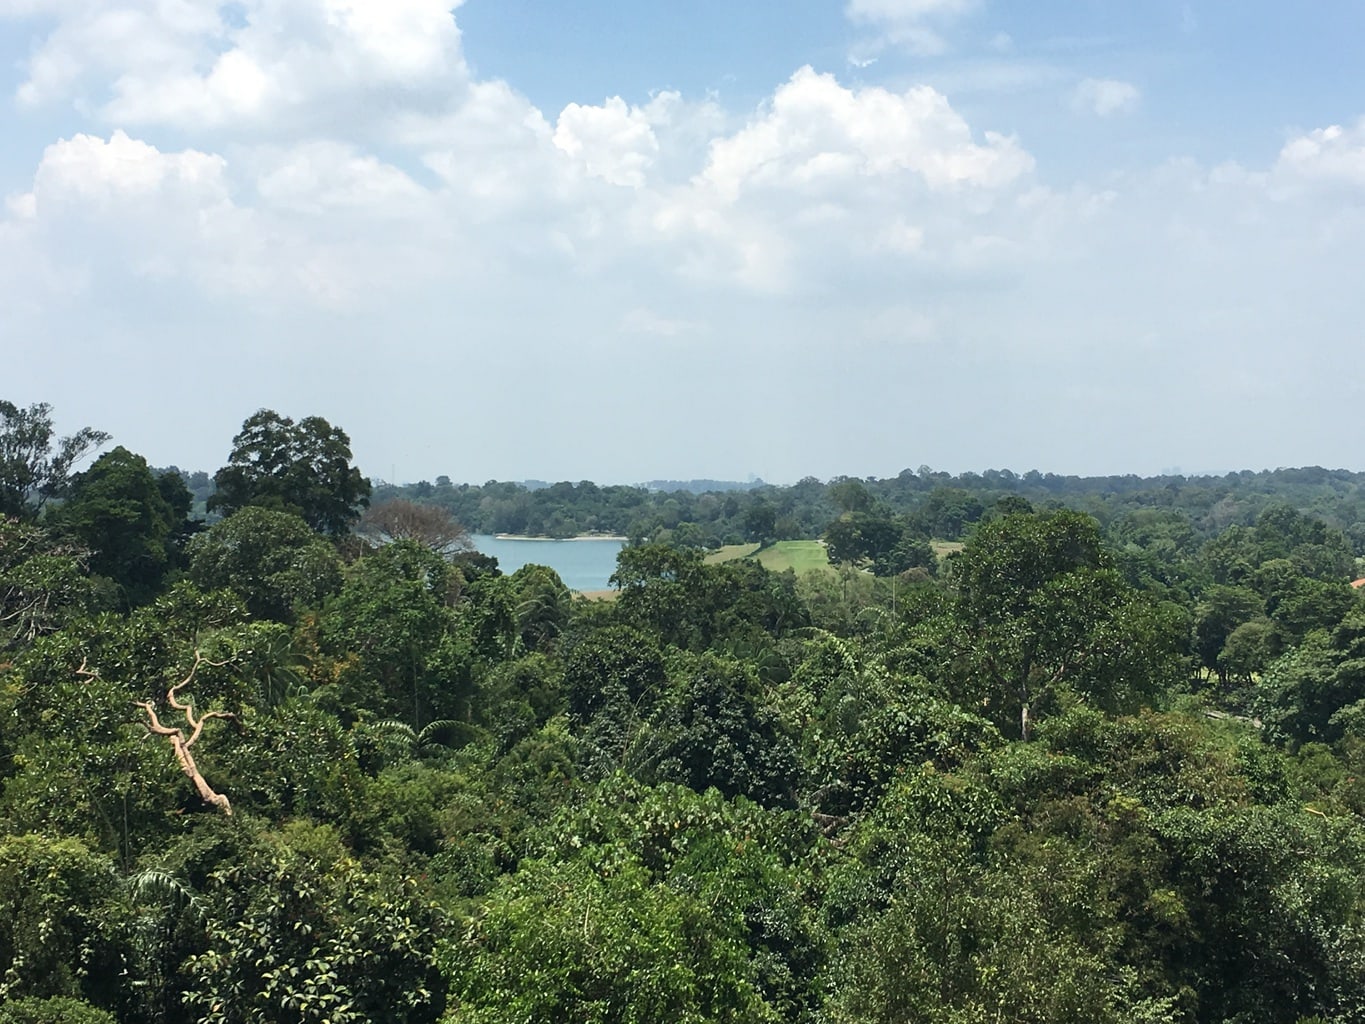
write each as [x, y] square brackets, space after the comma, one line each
[516, 239]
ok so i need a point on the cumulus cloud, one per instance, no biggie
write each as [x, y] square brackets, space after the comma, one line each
[119, 206]
[470, 166]
[1105, 97]
[823, 179]
[1331, 154]
[817, 131]
[613, 142]
[318, 224]
[194, 65]
[425, 204]
[331, 177]
[92, 170]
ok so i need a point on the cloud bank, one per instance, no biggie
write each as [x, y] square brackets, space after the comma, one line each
[316, 205]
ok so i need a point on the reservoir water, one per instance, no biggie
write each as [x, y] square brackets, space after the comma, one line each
[581, 564]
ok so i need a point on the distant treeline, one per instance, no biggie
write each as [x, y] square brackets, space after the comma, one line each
[941, 505]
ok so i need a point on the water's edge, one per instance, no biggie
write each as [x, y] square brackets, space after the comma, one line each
[583, 563]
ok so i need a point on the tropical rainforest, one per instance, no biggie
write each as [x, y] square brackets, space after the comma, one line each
[277, 745]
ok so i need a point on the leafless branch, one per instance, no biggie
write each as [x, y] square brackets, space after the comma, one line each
[180, 743]
[429, 525]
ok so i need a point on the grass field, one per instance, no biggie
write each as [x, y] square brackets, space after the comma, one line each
[801, 555]
[730, 552]
[798, 555]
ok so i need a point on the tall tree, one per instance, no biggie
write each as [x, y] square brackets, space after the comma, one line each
[760, 520]
[34, 465]
[428, 525]
[120, 511]
[304, 468]
[1041, 610]
[888, 544]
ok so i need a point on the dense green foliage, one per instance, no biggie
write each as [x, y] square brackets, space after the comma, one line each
[133, 523]
[1103, 763]
[302, 468]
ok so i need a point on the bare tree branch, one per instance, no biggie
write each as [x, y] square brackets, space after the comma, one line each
[179, 742]
[428, 525]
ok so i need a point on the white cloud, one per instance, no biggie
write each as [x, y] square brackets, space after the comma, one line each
[329, 177]
[817, 131]
[1105, 96]
[479, 176]
[718, 246]
[821, 168]
[107, 209]
[613, 142]
[187, 64]
[110, 173]
[357, 188]
[397, 40]
[493, 148]
[23, 206]
[318, 225]
[1331, 154]
[824, 181]
[905, 23]
[823, 184]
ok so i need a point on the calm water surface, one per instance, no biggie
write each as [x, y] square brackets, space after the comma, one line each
[581, 564]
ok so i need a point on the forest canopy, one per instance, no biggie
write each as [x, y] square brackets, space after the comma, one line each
[1024, 748]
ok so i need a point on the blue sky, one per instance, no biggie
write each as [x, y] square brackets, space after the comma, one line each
[626, 241]
[1220, 81]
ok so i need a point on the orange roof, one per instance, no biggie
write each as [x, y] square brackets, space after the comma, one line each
[1358, 583]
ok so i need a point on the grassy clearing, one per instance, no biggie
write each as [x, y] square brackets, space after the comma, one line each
[798, 555]
[730, 552]
[802, 556]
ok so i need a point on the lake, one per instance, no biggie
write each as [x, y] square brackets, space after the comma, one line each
[581, 564]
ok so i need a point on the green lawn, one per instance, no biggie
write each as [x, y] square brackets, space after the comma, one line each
[801, 555]
[730, 552]
[798, 555]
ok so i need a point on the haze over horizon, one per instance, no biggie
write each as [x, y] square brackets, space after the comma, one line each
[506, 240]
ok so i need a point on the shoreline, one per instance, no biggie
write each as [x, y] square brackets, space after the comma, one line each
[581, 536]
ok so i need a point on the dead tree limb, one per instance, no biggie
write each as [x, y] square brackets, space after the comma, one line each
[181, 743]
